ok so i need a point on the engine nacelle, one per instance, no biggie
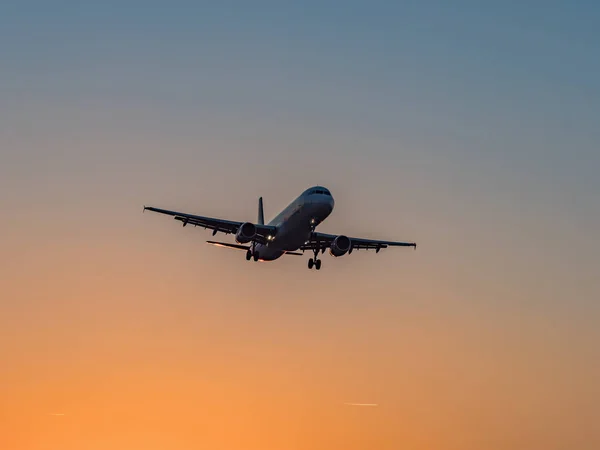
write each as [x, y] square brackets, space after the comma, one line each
[245, 233]
[340, 246]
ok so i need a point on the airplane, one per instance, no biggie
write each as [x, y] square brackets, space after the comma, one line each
[291, 231]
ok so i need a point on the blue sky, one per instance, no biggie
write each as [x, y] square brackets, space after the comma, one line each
[495, 106]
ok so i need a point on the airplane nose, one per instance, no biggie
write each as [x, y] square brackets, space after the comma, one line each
[330, 204]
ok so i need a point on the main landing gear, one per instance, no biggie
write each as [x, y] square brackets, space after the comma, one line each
[252, 253]
[315, 262]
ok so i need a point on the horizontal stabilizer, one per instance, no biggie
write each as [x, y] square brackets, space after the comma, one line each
[226, 244]
[242, 247]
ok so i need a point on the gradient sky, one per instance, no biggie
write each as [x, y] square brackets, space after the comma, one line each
[471, 129]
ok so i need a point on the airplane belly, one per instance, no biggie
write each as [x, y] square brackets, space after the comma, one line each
[293, 234]
[268, 253]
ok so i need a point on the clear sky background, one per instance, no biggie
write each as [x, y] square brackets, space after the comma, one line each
[471, 128]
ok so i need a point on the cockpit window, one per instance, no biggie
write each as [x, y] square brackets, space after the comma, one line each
[319, 191]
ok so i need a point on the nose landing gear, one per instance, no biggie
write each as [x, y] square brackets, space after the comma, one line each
[315, 262]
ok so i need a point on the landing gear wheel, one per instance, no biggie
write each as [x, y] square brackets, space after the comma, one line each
[256, 256]
[248, 255]
[316, 262]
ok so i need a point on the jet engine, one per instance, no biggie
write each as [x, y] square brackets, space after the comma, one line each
[339, 246]
[245, 233]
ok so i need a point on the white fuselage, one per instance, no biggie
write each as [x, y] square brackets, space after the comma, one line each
[296, 222]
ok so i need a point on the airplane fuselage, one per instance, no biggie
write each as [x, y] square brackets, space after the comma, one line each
[296, 222]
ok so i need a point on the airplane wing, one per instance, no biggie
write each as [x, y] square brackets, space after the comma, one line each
[217, 225]
[323, 241]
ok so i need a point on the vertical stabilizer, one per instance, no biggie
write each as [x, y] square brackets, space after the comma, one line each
[261, 214]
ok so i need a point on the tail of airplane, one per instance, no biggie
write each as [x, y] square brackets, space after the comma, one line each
[261, 215]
